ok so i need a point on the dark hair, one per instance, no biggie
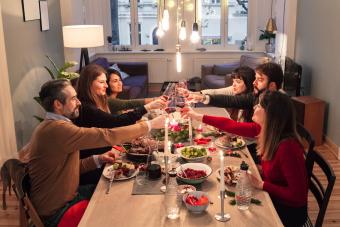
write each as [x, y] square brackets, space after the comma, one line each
[279, 125]
[53, 90]
[89, 74]
[111, 71]
[273, 71]
[246, 74]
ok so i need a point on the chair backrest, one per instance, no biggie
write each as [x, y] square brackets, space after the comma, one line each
[253, 61]
[21, 187]
[322, 194]
[305, 135]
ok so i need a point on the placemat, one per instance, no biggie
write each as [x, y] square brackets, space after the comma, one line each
[151, 187]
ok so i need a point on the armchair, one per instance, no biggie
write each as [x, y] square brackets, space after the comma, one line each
[218, 76]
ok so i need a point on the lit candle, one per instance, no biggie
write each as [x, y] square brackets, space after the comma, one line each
[221, 171]
[199, 129]
[190, 131]
[166, 139]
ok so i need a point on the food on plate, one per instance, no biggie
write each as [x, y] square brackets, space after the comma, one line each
[142, 145]
[194, 201]
[193, 152]
[192, 173]
[230, 141]
[177, 134]
[123, 169]
[231, 175]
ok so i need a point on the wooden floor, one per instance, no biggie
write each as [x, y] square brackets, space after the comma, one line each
[10, 217]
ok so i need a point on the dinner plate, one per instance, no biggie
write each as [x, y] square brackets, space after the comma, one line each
[232, 146]
[107, 174]
[236, 171]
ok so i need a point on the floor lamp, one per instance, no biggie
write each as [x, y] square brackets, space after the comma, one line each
[83, 36]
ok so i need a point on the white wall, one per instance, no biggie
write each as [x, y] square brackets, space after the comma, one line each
[317, 49]
[26, 47]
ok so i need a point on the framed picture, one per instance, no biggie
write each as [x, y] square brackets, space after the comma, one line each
[44, 21]
[30, 9]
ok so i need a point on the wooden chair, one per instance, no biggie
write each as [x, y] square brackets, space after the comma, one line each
[28, 214]
[321, 194]
[305, 135]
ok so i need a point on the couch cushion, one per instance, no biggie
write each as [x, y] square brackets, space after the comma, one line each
[139, 80]
[214, 81]
[123, 75]
[102, 62]
[223, 69]
[253, 61]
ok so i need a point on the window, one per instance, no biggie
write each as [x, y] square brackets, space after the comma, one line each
[125, 31]
[218, 29]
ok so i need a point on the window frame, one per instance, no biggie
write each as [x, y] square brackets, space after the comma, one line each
[134, 32]
[223, 26]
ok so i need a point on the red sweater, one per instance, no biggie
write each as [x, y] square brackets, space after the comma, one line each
[285, 176]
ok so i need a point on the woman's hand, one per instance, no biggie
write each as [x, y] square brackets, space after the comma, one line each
[108, 157]
[256, 182]
[158, 122]
[188, 112]
[196, 97]
[159, 103]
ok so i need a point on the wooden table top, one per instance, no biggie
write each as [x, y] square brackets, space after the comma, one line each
[120, 208]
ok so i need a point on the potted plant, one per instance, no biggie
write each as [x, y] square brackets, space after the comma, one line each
[270, 45]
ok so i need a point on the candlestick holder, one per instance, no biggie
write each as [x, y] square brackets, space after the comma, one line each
[222, 217]
[166, 169]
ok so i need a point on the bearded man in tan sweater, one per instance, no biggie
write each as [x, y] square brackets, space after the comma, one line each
[54, 165]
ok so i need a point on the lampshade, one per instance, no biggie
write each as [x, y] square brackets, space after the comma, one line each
[271, 26]
[83, 36]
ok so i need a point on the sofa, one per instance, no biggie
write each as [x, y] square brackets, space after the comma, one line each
[218, 76]
[134, 86]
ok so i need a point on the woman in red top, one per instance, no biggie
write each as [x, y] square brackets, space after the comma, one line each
[284, 174]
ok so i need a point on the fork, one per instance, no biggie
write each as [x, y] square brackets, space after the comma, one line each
[110, 184]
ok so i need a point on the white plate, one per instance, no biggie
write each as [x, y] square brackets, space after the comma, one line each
[196, 159]
[236, 171]
[108, 170]
[218, 142]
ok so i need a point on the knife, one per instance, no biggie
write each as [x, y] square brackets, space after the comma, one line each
[111, 180]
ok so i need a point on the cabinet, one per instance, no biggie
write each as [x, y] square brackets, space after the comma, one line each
[310, 112]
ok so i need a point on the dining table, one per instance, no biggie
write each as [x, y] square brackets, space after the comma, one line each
[121, 208]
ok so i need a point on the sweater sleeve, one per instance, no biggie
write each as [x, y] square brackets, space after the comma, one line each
[91, 116]
[117, 105]
[87, 164]
[246, 129]
[230, 101]
[220, 91]
[292, 166]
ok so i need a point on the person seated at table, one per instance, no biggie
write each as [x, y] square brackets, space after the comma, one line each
[94, 112]
[53, 154]
[115, 86]
[284, 174]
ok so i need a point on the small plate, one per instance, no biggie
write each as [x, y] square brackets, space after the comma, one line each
[236, 172]
[108, 170]
[232, 146]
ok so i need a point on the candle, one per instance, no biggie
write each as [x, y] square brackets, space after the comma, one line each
[190, 131]
[221, 171]
[166, 138]
[199, 129]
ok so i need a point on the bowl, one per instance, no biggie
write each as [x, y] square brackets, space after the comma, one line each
[195, 166]
[196, 208]
[184, 189]
[192, 159]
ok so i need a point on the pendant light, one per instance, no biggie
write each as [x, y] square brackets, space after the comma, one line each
[159, 32]
[195, 37]
[182, 31]
[166, 18]
[271, 25]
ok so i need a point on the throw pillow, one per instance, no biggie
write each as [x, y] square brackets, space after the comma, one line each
[124, 75]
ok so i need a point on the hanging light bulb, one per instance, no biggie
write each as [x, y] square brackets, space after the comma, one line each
[178, 58]
[195, 37]
[160, 32]
[165, 20]
[182, 31]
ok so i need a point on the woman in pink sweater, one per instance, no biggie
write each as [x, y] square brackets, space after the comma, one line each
[284, 174]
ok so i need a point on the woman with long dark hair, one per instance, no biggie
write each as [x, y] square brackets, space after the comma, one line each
[95, 112]
[284, 174]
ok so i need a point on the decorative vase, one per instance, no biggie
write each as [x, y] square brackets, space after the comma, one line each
[270, 47]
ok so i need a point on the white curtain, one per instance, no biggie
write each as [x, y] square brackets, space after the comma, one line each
[8, 147]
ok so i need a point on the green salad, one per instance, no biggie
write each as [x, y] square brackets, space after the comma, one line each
[193, 152]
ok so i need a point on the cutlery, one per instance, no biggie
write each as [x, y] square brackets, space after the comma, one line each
[111, 180]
